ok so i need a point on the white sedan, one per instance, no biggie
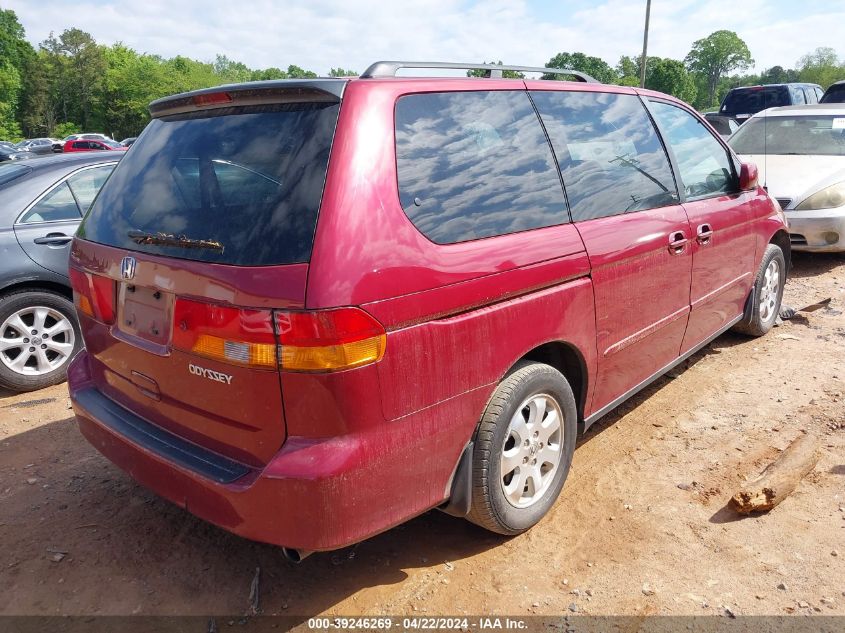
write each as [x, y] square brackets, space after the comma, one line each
[800, 154]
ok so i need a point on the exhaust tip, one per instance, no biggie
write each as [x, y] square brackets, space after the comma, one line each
[295, 555]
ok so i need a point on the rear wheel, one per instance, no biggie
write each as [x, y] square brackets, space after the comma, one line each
[523, 449]
[39, 335]
[767, 293]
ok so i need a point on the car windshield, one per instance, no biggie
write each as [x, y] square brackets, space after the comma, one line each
[752, 100]
[797, 135]
[111, 143]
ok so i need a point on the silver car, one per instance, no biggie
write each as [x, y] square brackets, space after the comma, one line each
[800, 154]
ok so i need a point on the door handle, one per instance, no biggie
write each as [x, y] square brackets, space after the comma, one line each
[54, 239]
[677, 242]
[704, 233]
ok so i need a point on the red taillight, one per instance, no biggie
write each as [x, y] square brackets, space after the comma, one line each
[329, 340]
[320, 340]
[232, 335]
[93, 295]
[213, 98]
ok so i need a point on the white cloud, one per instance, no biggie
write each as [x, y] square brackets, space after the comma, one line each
[352, 33]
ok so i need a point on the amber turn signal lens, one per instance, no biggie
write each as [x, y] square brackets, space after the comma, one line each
[333, 357]
[329, 340]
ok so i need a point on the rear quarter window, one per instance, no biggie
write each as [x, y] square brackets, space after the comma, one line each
[475, 164]
[246, 179]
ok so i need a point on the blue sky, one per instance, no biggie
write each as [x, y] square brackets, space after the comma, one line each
[320, 34]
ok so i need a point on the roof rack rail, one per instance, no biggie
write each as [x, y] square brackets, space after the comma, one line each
[390, 68]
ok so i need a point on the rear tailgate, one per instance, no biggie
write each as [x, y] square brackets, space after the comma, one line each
[232, 409]
[201, 235]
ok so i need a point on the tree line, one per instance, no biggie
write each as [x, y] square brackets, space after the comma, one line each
[69, 83]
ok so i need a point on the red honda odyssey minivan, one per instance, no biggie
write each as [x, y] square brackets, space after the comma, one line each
[314, 309]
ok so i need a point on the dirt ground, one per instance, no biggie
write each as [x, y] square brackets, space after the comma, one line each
[641, 526]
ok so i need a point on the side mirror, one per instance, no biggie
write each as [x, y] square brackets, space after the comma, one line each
[748, 177]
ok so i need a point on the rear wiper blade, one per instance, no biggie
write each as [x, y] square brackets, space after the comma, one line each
[165, 239]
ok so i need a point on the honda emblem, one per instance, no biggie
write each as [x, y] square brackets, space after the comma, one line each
[127, 268]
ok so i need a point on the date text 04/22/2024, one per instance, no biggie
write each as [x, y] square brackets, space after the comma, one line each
[416, 623]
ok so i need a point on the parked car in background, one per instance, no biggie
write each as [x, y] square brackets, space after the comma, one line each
[742, 103]
[58, 146]
[128, 141]
[724, 125]
[835, 93]
[13, 153]
[383, 307]
[6, 145]
[37, 145]
[41, 204]
[800, 152]
[93, 146]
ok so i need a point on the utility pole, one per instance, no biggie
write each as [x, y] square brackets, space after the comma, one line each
[645, 44]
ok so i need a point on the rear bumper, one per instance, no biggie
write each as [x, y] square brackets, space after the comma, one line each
[820, 231]
[313, 495]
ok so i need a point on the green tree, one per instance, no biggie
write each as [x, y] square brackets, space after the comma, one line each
[295, 72]
[778, 75]
[628, 70]
[77, 65]
[65, 129]
[506, 74]
[230, 71]
[341, 72]
[268, 73]
[185, 74]
[596, 67]
[715, 56]
[38, 113]
[670, 76]
[15, 55]
[14, 48]
[822, 67]
[10, 86]
[130, 82]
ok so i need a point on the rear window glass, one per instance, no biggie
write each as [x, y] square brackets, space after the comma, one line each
[752, 100]
[238, 185]
[834, 94]
[9, 172]
[609, 153]
[474, 165]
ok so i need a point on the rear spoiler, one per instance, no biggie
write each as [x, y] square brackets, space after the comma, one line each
[252, 93]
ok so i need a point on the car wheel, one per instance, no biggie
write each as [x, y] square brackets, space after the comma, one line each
[39, 335]
[766, 294]
[523, 449]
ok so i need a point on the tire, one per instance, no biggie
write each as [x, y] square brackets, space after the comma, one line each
[499, 502]
[765, 295]
[33, 361]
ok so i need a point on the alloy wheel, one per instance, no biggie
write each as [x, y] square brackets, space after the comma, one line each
[769, 291]
[36, 340]
[532, 451]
